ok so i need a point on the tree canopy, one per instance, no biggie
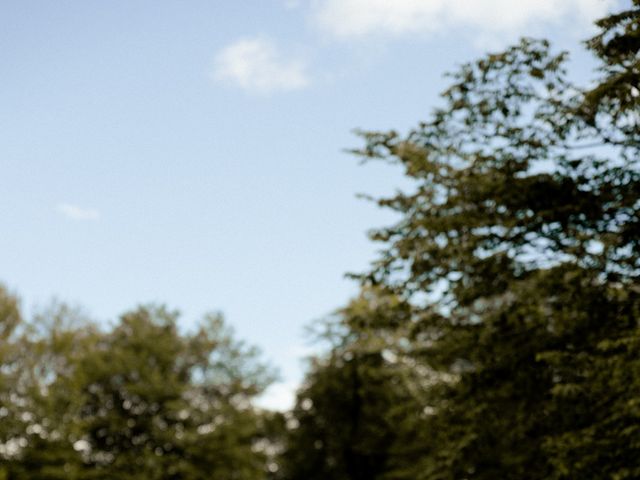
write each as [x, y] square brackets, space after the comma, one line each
[495, 337]
[139, 400]
[518, 254]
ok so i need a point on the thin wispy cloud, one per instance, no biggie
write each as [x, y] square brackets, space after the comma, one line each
[256, 65]
[361, 18]
[74, 212]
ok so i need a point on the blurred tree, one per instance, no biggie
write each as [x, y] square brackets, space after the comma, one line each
[42, 398]
[612, 105]
[519, 248]
[496, 338]
[10, 423]
[344, 424]
[140, 400]
[160, 405]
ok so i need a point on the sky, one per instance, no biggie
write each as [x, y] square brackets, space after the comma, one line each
[193, 153]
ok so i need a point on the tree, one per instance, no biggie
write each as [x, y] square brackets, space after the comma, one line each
[159, 405]
[344, 423]
[612, 105]
[10, 424]
[600, 381]
[519, 248]
[46, 350]
[139, 400]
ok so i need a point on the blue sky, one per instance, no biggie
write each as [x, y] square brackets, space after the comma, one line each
[191, 153]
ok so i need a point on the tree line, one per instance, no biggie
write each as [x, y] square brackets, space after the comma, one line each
[496, 336]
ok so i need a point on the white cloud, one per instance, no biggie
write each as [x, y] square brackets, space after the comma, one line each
[75, 212]
[257, 65]
[359, 18]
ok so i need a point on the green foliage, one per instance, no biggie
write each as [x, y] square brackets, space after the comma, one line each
[141, 400]
[596, 381]
[10, 320]
[497, 336]
[515, 267]
[344, 423]
[612, 105]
